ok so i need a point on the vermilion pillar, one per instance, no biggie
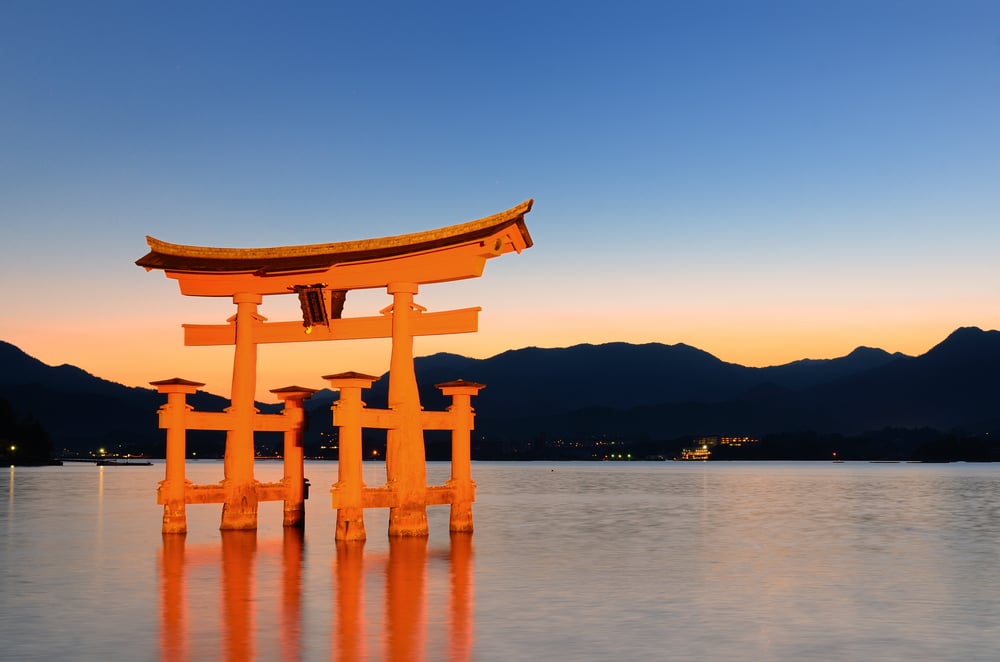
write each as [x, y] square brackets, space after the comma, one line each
[294, 464]
[172, 489]
[461, 482]
[350, 482]
[239, 510]
[405, 466]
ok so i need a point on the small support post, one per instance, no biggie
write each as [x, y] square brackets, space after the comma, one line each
[347, 491]
[464, 488]
[173, 487]
[294, 462]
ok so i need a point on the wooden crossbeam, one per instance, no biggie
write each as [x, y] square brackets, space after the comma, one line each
[223, 420]
[386, 497]
[210, 493]
[464, 320]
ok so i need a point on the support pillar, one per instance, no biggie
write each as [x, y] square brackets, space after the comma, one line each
[406, 470]
[172, 491]
[294, 463]
[239, 510]
[464, 488]
[350, 483]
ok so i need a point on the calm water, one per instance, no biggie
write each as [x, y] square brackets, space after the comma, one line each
[570, 561]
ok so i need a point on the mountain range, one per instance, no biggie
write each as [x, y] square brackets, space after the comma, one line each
[587, 392]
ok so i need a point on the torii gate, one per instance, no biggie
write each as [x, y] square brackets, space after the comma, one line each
[321, 275]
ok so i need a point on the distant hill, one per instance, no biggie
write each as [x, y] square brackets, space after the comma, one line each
[533, 381]
[82, 412]
[658, 391]
[649, 391]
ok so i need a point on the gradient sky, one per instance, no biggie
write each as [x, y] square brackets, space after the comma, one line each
[767, 181]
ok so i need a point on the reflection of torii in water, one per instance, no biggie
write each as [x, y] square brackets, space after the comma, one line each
[321, 275]
[410, 573]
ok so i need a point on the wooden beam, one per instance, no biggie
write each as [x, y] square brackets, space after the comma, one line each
[196, 494]
[437, 420]
[464, 320]
[223, 420]
[385, 497]
[436, 266]
[202, 420]
[272, 422]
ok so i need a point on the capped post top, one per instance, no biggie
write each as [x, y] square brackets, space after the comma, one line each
[350, 378]
[460, 387]
[293, 392]
[176, 385]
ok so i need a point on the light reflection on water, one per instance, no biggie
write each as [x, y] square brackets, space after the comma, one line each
[591, 561]
[194, 626]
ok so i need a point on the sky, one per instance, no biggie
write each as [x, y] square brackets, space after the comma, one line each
[766, 181]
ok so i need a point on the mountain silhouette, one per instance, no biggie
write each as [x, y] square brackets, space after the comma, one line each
[666, 391]
[82, 412]
[952, 386]
[643, 391]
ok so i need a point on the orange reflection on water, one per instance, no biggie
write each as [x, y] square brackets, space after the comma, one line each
[173, 602]
[349, 606]
[460, 597]
[237, 621]
[406, 575]
[235, 560]
[238, 551]
[403, 631]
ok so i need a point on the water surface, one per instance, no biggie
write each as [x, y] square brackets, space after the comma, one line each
[574, 561]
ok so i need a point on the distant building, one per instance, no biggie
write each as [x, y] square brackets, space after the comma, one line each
[736, 442]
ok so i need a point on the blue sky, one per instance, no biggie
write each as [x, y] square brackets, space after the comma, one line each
[767, 181]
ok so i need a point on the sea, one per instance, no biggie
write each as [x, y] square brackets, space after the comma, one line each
[569, 561]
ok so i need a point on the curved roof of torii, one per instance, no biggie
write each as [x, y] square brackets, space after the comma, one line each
[179, 257]
[449, 253]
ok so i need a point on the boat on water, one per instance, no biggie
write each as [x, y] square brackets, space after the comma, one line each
[696, 454]
[122, 462]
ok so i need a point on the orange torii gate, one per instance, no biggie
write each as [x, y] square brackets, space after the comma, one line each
[321, 275]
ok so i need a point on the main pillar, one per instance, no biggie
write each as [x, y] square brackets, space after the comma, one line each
[239, 510]
[405, 466]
